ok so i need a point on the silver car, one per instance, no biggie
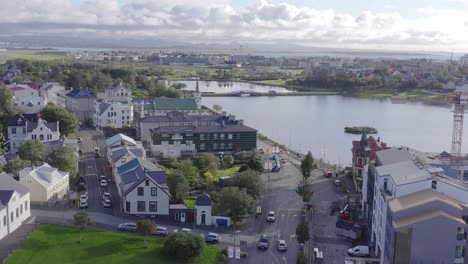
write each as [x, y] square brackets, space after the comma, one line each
[212, 238]
[128, 227]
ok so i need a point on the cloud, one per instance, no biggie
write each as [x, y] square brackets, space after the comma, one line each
[218, 21]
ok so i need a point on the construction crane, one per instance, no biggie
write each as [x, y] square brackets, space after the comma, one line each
[459, 101]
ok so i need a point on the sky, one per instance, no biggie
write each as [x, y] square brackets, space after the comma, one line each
[414, 25]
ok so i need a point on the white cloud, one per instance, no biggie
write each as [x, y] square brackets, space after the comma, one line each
[216, 20]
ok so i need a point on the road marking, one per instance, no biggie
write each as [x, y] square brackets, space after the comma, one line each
[294, 215]
[292, 236]
[282, 217]
[284, 259]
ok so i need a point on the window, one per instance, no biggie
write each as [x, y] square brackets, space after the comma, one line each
[460, 251]
[215, 146]
[215, 136]
[141, 206]
[202, 136]
[221, 146]
[177, 216]
[41, 137]
[202, 146]
[21, 209]
[24, 130]
[25, 205]
[465, 175]
[140, 191]
[385, 184]
[460, 233]
[229, 146]
[189, 142]
[230, 136]
[146, 182]
[221, 136]
[434, 185]
[4, 220]
[189, 134]
[164, 135]
[154, 191]
[238, 135]
[153, 206]
[11, 217]
[17, 212]
[13, 130]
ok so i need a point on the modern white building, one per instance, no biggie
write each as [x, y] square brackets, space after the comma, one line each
[399, 216]
[14, 204]
[46, 184]
[28, 99]
[113, 114]
[25, 127]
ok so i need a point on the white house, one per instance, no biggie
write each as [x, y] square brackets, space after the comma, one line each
[46, 184]
[142, 187]
[28, 99]
[113, 114]
[203, 209]
[117, 94]
[14, 204]
[120, 139]
[25, 127]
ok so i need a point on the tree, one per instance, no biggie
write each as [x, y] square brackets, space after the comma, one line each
[307, 164]
[209, 162]
[178, 185]
[183, 245]
[68, 123]
[228, 161]
[146, 228]
[16, 165]
[82, 221]
[236, 202]
[190, 172]
[64, 159]
[6, 108]
[255, 163]
[304, 191]
[302, 232]
[301, 258]
[249, 180]
[217, 108]
[31, 150]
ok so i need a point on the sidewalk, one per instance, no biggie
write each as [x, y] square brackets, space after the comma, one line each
[12, 241]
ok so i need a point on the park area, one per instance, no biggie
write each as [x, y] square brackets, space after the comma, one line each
[59, 244]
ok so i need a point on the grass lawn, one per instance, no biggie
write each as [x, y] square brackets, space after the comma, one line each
[227, 172]
[28, 54]
[58, 244]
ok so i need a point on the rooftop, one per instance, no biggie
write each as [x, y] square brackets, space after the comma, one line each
[121, 139]
[80, 93]
[177, 116]
[164, 103]
[218, 128]
[420, 198]
[135, 163]
[8, 183]
[393, 155]
[408, 221]
[44, 175]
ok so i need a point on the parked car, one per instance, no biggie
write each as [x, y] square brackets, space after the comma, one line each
[271, 216]
[359, 251]
[281, 245]
[212, 238]
[82, 187]
[186, 230]
[103, 177]
[337, 182]
[106, 195]
[84, 196]
[161, 231]
[283, 161]
[97, 155]
[263, 242]
[83, 204]
[81, 179]
[103, 183]
[106, 203]
[79, 139]
[130, 226]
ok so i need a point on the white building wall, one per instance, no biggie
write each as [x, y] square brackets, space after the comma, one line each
[3, 223]
[206, 210]
[118, 115]
[38, 193]
[162, 200]
[24, 96]
[41, 133]
[20, 208]
[171, 150]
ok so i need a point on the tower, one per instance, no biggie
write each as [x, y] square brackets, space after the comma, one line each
[457, 132]
[197, 95]
[361, 156]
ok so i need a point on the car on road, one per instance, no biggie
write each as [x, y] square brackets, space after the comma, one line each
[283, 161]
[161, 231]
[79, 139]
[106, 195]
[186, 230]
[337, 182]
[263, 242]
[84, 196]
[212, 238]
[103, 177]
[130, 226]
[97, 155]
[281, 245]
[83, 204]
[82, 187]
[103, 183]
[271, 216]
[106, 203]
[81, 179]
[359, 251]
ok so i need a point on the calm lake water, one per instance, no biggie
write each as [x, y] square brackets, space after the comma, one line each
[316, 123]
[229, 87]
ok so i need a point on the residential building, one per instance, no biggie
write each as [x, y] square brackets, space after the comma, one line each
[28, 99]
[413, 193]
[120, 139]
[14, 204]
[80, 103]
[45, 183]
[186, 140]
[464, 60]
[364, 152]
[142, 188]
[23, 127]
[122, 149]
[51, 91]
[117, 94]
[113, 114]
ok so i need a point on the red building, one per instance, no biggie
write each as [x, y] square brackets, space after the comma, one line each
[364, 151]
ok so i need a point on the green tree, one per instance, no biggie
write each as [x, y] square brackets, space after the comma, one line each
[307, 164]
[236, 202]
[6, 107]
[68, 123]
[255, 163]
[178, 185]
[183, 245]
[209, 162]
[302, 232]
[301, 258]
[217, 108]
[16, 165]
[64, 159]
[146, 228]
[82, 221]
[228, 161]
[249, 180]
[31, 150]
[190, 172]
[304, 191]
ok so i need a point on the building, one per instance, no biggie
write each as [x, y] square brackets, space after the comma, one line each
[23, 127]
[14, 204]
[414, 202]
[51, 91]
[464, 60]
[117, 94]
[45, 183]
[364, 152]
[122, 149]
[80, 103]
[28, 99]
[120, 139]
[113, 114]
[228, 136]
[142, 188]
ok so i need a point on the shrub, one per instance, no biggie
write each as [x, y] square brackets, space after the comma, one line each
[184, 245]
[221, 258]
[301, 258]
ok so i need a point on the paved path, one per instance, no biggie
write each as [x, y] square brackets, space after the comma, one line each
[12, 241]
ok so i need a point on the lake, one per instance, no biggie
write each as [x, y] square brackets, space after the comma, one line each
[316, 123]
[229, 87]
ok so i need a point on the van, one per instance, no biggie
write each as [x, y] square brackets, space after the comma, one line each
[359, 251]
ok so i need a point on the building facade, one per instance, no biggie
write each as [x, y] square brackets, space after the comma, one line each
[80, 103]
[117, 94]
[113, 114]
[28, 99]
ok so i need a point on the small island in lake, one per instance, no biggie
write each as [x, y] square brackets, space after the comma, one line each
[359, 130]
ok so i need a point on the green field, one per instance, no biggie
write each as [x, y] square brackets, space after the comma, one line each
[28, 54]
[58, 244]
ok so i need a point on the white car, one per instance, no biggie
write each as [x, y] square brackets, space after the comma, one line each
[103, 177]
[161, 231]
[103, 183]
[84, 196]
[83, 204]
[212, 238]
[106, 195]
[186, 230]
[271, 216]
[337, 182]
[106, 203]
[281, 245]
